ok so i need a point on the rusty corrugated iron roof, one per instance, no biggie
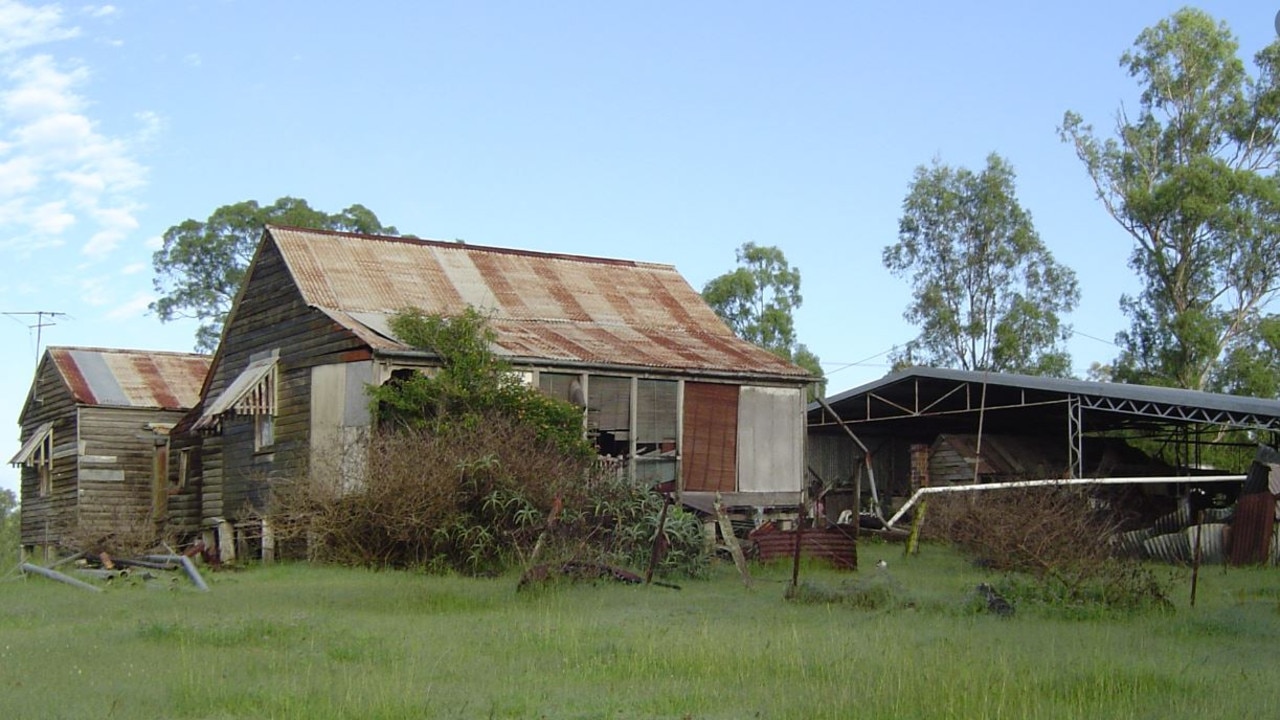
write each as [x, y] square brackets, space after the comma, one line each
[541, 305]
[131, 378]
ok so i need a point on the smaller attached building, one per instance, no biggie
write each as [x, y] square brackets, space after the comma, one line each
[94, 453]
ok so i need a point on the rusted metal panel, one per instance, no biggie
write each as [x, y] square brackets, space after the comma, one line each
[131, 378]
[541, 305]
[1249, 541]
[710, 437]
[835, 545]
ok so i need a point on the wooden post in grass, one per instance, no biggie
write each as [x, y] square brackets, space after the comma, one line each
[1195, 558]
[556, 506]
[731, 542]
[657, 540]
[795, 555]
[919, 479]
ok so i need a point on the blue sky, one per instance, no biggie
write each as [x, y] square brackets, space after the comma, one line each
[659, 131]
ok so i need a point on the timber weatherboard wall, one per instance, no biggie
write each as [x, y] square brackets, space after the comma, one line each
[46, 516]
[270, 314]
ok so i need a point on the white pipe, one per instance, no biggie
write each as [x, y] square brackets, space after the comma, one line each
[1059, 482]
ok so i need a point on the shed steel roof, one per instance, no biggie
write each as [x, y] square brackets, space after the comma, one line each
[131, 378]
[543, 306]
[921, 392]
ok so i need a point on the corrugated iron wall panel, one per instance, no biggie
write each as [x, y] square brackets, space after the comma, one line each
[710, 443]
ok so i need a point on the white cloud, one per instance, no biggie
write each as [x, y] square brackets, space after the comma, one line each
[192, 59]
[94, 291]
[23, 26]
[133, 268]
[59, 172]
[132, 308]
[52, 218]
[100, 11]
[150, 125]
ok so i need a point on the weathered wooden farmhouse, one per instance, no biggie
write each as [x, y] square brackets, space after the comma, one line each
[94, 453]
[669, 391]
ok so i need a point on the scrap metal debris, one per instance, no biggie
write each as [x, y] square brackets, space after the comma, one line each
[149, 570]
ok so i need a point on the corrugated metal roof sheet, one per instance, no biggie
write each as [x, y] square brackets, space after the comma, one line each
[131, 378]
[542, 305]
[1247, 408]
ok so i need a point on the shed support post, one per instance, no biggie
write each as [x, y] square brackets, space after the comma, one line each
[1075, 438]
[226, 542]
[268, 542]
[866, 457]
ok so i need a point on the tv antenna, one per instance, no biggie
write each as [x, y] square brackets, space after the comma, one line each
[44, 319]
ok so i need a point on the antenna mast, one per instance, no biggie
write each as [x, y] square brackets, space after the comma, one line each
[43, 320]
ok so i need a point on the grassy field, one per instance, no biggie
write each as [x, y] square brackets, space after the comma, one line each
[295, 641]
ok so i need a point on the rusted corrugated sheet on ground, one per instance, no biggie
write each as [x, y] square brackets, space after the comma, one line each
[541, 305]
[835, 545]
[131, 378]
[1249, 541]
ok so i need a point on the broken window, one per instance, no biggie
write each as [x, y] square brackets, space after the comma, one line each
[563, 386]
[609, 414]
[43, 461]
[655, 431]
[264, 431]
[184, 467]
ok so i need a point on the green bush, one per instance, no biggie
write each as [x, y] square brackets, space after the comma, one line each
[615, 522]
[470, 385]
[9, 536]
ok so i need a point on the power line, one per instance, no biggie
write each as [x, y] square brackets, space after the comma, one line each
[865, 362]
[1091, 337]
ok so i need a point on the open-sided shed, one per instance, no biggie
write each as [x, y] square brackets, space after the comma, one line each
[1016, 426]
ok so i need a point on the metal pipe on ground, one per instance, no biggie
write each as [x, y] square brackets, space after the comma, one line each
[194, 574]
[187, 565]
[129, 562]
[1061, 482]
[55, 575]
[102, 574]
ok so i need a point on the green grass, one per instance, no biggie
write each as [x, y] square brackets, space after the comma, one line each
[312, 642]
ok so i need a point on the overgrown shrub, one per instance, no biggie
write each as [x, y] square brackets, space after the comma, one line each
[466, 498]
[1053, 536]
[478, 499]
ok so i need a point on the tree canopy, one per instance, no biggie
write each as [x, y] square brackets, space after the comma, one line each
[756, 301]
[988, 294]
[202, 262]
[9, 539]
[1190, 176]
[470, 384]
